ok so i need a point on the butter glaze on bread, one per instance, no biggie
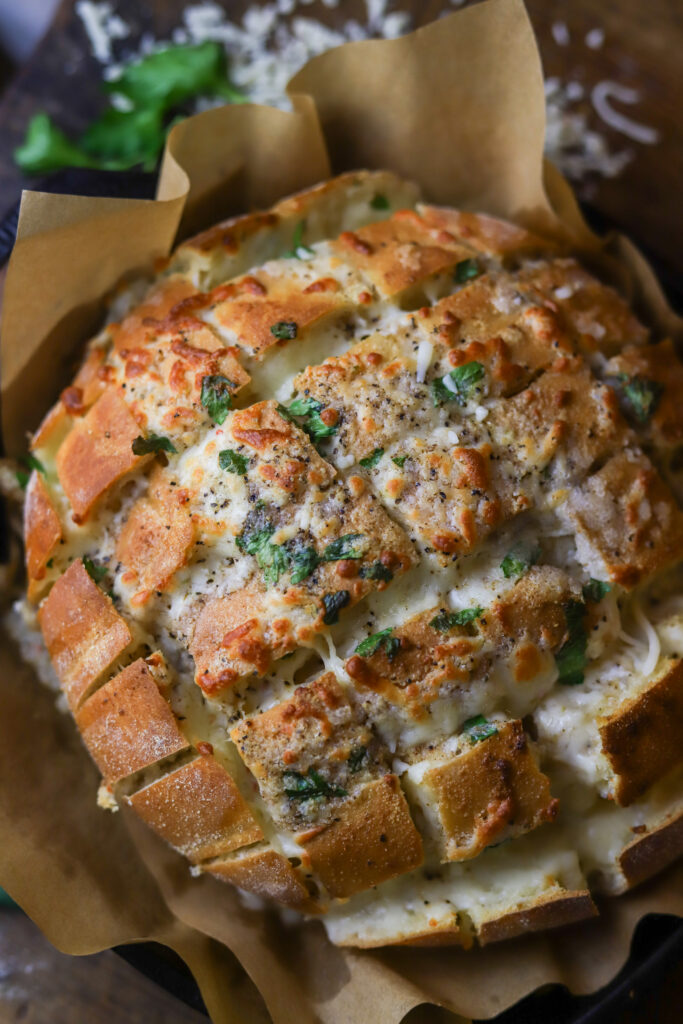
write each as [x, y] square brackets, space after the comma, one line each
[357, 556]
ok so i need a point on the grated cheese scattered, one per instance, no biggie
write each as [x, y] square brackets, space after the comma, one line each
[425, 351]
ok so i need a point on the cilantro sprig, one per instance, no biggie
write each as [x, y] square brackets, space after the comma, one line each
[233, 462]
[459, 385]
[305, 412]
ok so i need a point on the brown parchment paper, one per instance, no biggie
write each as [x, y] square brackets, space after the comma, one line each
[459, 107]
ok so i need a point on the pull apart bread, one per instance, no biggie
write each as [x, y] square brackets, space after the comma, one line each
[356, 549]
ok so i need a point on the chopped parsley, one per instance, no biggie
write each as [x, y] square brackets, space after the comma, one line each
[399, 460]
[595, 590]
[447, 620]
[478, 729]
[371, 460]
[95, 572]
[641, 396]
[23, 477]
[571, 657]
[31, 462]
[216, 397]
[304, 561]
[333, 605]
[344, 547]
[458, 385]
[233, 462]
[391, 644]
[310, 786]
[308, 410]
[519, 560]
[466, 270]
[380, 202]
[356, 758]
[376, 571]
[273, 559]
[152, 444]
[298, 244]
[284, 330]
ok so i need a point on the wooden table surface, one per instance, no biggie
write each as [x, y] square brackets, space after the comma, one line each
[642, 48]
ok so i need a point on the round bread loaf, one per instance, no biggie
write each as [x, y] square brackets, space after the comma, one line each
[356, 550]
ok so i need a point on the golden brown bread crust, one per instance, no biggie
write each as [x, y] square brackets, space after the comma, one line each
[42, 530]
[127, 724]
[97, 452]
[265, 873]
[198, 809]
[549, 910]
[648, 854]
[83, 632]
[643, 738]
[363, 427]
[372, 840]
[491, 791]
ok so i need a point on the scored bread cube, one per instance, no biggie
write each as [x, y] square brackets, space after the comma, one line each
[83, 632]
[97, 452]
[489, 790]
[343, 203]
[642, 738]
[87, 386]
[323, 779]
[198, 809]
[561, 425]
[596, 316]
[488, 322]
[156, 537]
[402, 254]
[42, 531]
[266, 873]
[127, 725]
[627, 522]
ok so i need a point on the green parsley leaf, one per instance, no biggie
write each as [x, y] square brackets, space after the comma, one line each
[233, 461]
[380, 202]
[344, 547]
[152, 444]
[447, 620]
[308, 410]
[519, 560]
[46, 148]
[399, 460]
[371, 460]
[304, 562]
[32, 462]
[641, 396]
[458, 385]
[333, 605]
[571, 657]
[298, 245]
[479, 728]
[595, 590]
[95, 572]
[119, 139]
[216, 397]
[376, 571]
[310, 786]
[466, 270]
[391, 644]
[273, 559]
[22, 478]
[175, 74]
[356, 758]
[284, 330]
